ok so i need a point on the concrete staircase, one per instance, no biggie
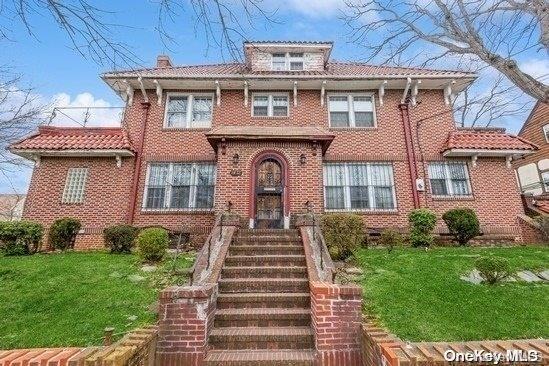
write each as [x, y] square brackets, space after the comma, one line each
[263, 314]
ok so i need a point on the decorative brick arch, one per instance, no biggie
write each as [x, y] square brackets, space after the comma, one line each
[284, 164]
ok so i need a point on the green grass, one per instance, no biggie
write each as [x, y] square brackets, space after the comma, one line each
[419, 296]
[68, 299]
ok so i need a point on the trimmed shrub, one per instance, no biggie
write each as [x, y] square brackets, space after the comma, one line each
[493, 269]
[20, 237]
[543, 221]
[422, 222]
[62, 234]
[390, 239]
[152, 244]
[462, 223]
[120, 238]
[344, 233]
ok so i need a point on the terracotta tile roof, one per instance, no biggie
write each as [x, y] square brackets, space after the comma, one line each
[71, 138]
[291, 42]
[334, 68]
[486, 140]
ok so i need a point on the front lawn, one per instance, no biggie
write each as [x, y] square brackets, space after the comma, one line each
[419, 296]
[69, 299]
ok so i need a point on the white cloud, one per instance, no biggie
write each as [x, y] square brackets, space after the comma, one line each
[537, 68]
[315, 8]
[72, 111]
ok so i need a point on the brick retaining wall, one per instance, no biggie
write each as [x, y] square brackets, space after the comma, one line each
[379, 347]
[137, 348]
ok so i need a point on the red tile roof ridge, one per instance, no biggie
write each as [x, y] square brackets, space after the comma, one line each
[58, 130]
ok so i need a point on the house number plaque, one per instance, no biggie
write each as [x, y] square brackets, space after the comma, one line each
[236, 172]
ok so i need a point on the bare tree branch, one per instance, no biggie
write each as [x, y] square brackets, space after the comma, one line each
[494, 32]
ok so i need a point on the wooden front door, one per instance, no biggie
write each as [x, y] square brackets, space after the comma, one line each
[269, 195]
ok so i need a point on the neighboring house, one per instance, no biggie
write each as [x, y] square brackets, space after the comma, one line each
[11, 206]
[533, 170]
[287, 129]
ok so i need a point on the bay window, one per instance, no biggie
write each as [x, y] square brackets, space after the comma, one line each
[359, 186]
[270, 105]
[188, 111]
[179, 186]
[448, 179]
[351, 110]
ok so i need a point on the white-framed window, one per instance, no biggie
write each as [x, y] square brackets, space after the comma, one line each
[545, 180]
[351, 110]
[188, 110]
[359, 186]
[270, 105]
[449, 179]
[179, 186]
[546, 132]
[287, 61]
[75, 185]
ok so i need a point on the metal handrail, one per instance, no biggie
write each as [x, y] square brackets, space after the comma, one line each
[207, 248]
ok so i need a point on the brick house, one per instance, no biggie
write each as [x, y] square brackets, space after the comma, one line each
[285, 130]
[533, 170]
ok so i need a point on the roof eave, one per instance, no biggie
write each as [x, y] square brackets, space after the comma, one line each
[31, 154]
[455, 152]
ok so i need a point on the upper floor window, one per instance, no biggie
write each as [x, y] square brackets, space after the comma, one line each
[189, 111]
[270, 105]
[351, 110]
[546, 132]
[545, 179]
[292, 61]
[75, 185]
[179, 186]
[449, 179]
[359, 186]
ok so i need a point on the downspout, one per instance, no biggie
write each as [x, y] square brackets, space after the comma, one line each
[138, 158]
[410, 151]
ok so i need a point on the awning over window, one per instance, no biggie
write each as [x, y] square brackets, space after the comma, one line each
[482, 142]
[70, 141]
[312, 134]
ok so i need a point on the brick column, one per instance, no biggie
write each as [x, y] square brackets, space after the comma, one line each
[336, 318]
[185, 319]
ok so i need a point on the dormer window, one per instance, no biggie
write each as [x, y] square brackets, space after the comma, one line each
[290, 61]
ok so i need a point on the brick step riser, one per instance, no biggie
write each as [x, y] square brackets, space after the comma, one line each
[260, 363]
[276, 286]
[267, 241]
[219, 323]
[262, 261]
[266, 304]
[230, 343]
[266, 251]
[246, 273]
[272, 232]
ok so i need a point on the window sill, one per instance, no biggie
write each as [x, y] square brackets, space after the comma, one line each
[364, 211]
[453, 198]
[270, 117]
[352, 128]
[150, 211]
[182, 129]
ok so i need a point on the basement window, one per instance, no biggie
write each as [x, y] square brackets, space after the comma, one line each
[178, 186]
[75, 185]
[188, 111]
[270, 105]
[352, 110]
[449, 179]
[359, 186]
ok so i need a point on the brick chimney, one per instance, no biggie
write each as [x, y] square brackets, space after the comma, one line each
[163, 61]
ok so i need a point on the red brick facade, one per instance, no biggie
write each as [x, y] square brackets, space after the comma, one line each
[109, 196]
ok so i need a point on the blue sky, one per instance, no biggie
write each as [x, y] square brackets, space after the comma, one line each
[57, 72]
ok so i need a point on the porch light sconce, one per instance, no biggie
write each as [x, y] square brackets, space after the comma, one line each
[302, 159]
[236, 159]
[313, 149]
[223, 149]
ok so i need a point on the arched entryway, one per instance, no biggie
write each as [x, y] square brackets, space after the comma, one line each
[269, 207]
